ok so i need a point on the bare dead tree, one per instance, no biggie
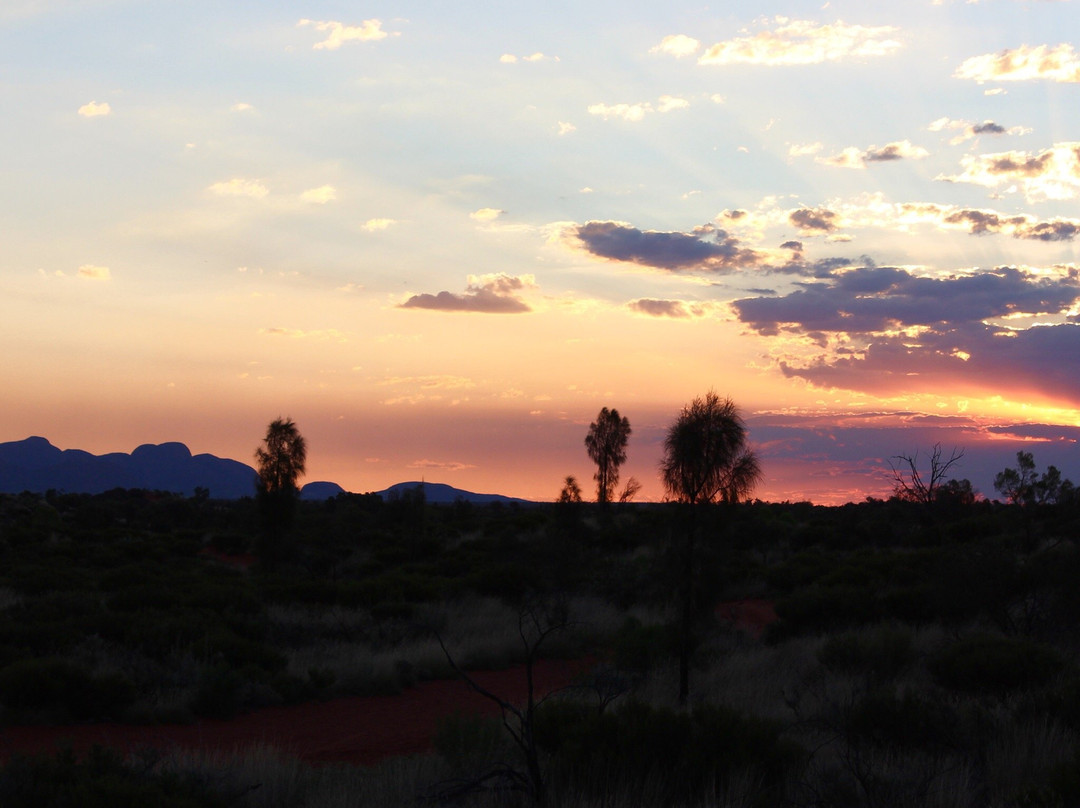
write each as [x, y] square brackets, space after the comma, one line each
[537, 621]
[912, 485]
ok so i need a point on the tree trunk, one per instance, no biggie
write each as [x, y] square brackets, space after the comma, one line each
[686, 621]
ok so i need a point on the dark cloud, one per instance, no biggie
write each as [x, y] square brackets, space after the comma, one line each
[972, 357]
[988, 128]
[983, 222]
[868, 300]
[893, 151]
[707, 248]
[490, 294]
[813, 220]
[660, 308]
[1025, 167]
[792, 245]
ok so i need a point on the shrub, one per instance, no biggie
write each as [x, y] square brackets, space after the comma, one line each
[912, 721]
[690, 755]
[61, 690]
[102, 779]
[638, 648]
[881, 655]
[989, 663]
[470, 742]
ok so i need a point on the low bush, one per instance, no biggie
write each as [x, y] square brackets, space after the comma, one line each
[987, 663]
[101, 779]
[880, 655]
[58, 690]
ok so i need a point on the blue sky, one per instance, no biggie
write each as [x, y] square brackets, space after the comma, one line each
[442, 236]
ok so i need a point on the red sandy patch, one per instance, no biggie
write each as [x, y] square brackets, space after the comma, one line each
[751, 615]
[359, 730]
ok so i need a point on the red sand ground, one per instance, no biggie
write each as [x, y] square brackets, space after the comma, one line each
[359, 730]
[362, 730]
[751, 615]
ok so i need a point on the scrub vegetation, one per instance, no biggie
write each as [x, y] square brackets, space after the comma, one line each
[925, 653]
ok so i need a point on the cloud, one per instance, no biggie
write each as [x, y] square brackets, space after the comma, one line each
[440, 465]
[669, 102]
[486, 214]
[869, 300]
[802, 42]
[95, 110]
[1051, 174]
[495, 293]
[677, 45]
[566, 128]
[814, 221]
[707, 248]
[320, 195]
[372, 225]
[970, 129]
[804, 149]
[1060, 63]
[637, 112]
[675, 309]
[242, 107]
[339, 33]
[852, 157]
[238, 186]
[297, 333]
[887, 330]
[509, 58]
[94, 273]
[628, 112]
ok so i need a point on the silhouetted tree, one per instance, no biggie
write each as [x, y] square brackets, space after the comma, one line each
[606, 443]
[911, 485]
[1023, 486]
[281, 461]
[571, 491]
[706, 461]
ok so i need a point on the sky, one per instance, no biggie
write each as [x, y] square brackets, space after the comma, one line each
[442, 236]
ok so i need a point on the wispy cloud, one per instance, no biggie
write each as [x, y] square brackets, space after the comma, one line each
[637, 112]
[1060, 63]
[971, 129]
[677, 45]
[852, 157]
[486, 214]
[320, 195]
[298, 333]
[441, 465]
[802, 42]
[339, 33]
[95, 110]
[674, 309]
[91, 272]
[238, 186]
[496, 293]
[372, 225]
[1051, 174]
[510, 58]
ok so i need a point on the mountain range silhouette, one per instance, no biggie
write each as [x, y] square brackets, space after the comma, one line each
[36, 465]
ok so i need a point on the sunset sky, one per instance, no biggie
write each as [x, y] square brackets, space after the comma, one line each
[441, 236]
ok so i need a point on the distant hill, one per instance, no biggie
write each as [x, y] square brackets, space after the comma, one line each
[442, 494]
[35, 464]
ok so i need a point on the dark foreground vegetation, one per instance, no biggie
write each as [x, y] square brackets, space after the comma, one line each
[925, 654]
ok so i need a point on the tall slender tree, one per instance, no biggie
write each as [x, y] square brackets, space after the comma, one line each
[606, 444]
[281, 461]
[706, 461]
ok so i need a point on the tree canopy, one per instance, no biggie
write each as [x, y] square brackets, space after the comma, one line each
[706, 457]
[606, 444]
[281, 458]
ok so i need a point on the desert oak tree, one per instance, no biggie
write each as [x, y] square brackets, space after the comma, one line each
[706, 461]
[606, 444]
[281, 460]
